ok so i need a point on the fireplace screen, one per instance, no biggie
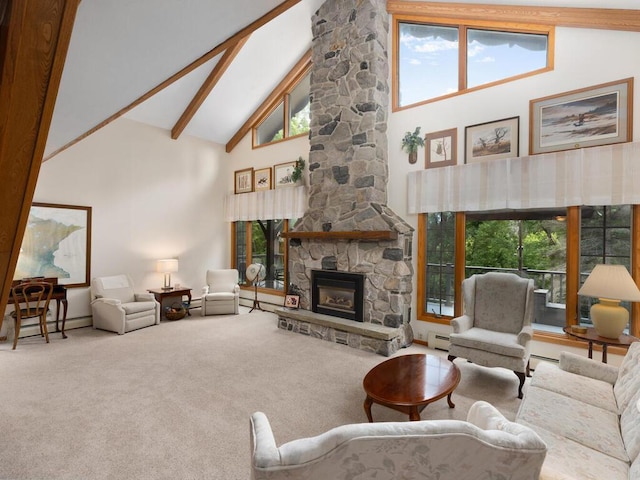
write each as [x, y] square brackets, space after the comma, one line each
[338, 294]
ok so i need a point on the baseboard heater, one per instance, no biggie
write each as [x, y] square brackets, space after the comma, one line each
[438, 341]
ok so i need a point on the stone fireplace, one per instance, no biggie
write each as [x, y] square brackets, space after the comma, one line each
[348, 227]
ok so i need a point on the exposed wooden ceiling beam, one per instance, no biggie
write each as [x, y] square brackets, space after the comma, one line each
[271, 100]
[232, 40]
[207, 87]
[603, 18]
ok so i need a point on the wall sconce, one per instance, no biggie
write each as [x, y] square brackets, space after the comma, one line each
[610, 284]
[167, 266]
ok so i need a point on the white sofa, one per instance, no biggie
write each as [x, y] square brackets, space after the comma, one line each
[587, 413]
[486, 446]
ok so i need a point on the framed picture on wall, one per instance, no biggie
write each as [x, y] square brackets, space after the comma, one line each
[492, 140]
[57, 243]
[262, 179]
[441, 148]
[598, 115]
[282, 174]
[243, 180]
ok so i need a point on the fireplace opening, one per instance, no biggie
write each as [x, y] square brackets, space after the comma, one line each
[339, 294]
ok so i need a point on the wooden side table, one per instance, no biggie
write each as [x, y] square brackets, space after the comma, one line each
[592, 337]
[160, 294]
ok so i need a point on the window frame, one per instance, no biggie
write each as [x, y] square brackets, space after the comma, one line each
[463, 26]
[249, 254]
[572, 279]
[282, 99]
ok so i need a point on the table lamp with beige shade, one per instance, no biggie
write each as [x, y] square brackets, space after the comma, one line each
[167, 266]
[611, 284]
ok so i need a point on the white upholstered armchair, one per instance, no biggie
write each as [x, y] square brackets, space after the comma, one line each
[486, 446]
[221, 294]
[495, 329]
[117, 308]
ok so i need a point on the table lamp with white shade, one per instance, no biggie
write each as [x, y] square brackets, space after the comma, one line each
[611, 284]
[167, 266]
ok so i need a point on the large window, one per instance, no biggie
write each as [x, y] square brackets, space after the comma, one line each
[260, 241]
[435, 60]
[289, 118]
[534, 244]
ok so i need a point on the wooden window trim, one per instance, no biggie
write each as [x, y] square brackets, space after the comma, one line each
[573, 276]
[516, 27]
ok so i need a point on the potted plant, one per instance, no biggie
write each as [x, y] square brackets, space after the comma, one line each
[296, 175]
[411, 142]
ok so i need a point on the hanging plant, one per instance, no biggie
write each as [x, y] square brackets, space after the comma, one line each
[297, 170]
[410, 143]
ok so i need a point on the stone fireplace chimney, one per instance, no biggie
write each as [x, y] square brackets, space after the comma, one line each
[348, 226]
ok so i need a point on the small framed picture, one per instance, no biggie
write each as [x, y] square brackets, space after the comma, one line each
[598, 115]
[492, 140]
[244, 180]
[441, 148]
[282, 174]
[292, 301]
[262, 179]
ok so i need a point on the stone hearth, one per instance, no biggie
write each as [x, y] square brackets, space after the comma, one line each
[348, 226]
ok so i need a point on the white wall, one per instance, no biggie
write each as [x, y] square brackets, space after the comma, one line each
[151, 198]
[583, 58]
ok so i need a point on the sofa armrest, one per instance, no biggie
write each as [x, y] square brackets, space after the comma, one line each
[461, 324]
[205, 290]
[236, 289]
[106, 301]
[525, 335]
[263, 444]
[144, 297]
[587, 367]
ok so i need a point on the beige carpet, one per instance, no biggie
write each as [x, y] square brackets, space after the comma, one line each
[174, 400]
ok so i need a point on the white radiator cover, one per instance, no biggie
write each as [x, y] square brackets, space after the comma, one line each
[438, 341]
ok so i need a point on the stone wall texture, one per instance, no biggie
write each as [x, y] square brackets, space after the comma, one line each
[348, 164]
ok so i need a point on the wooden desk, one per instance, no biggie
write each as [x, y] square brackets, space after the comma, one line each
[592, 337]
[59, 294]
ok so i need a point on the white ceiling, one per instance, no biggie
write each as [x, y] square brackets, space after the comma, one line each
[120, 50]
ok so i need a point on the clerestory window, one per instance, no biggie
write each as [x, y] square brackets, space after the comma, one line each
[435, 60]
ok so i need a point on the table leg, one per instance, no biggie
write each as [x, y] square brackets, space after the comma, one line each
[189, 297]
[590, 349]
[414, 414]
[65, 304]
[367, 408]
[604, 353]
[451, 404]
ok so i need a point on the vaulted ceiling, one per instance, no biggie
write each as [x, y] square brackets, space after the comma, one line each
[149, 59]
[122, 52]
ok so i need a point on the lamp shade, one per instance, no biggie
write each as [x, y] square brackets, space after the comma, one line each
[611, 282]
[167, 265]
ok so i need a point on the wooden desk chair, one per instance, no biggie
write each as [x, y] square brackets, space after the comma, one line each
[31, 299]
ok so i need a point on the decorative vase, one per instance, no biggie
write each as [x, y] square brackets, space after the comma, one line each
[413, 157]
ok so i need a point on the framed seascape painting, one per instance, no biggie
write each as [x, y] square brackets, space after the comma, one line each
[282, 174]
[441, 148]
[598, 115]
[243, 180]
[262, 179]
[57, 243]
[492, 140]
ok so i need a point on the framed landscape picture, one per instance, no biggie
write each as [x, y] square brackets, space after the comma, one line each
[282, 174]
[598, 115]
[262, 179]
[57, 243]
[243, 180]
[492, 140]
[441, 148]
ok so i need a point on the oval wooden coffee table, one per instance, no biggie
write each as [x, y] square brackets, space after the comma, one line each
[408, 383]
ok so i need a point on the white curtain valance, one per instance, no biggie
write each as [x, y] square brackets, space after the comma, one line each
[607, 175]
[280, 203]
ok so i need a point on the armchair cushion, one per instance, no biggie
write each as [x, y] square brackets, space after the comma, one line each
[500, 302]
[490, 341]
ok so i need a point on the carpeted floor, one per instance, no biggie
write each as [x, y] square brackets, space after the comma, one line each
[174, 400]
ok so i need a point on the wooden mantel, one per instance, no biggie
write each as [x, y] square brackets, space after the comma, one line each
[371, 235]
